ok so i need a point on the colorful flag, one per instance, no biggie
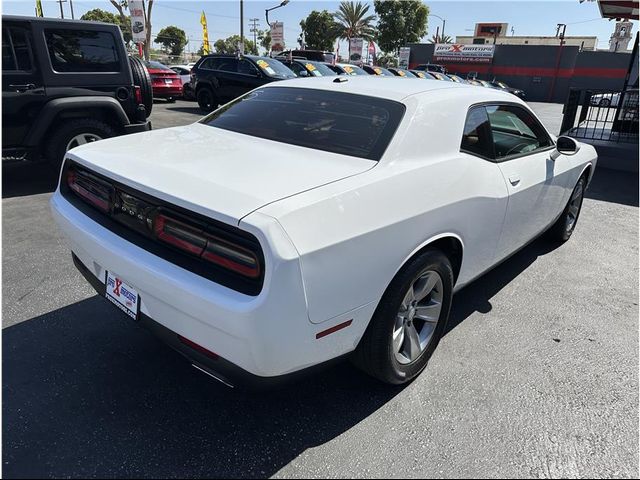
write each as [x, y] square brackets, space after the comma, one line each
[206, 49]
[39, 9]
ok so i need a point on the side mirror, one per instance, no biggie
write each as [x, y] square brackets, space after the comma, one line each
[567, 146]
[303, 73]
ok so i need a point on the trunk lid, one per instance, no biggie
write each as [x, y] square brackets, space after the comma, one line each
[214, 172]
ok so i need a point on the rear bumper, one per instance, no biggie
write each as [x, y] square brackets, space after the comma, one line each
[161, 91]
[264, 336]
[215, 366]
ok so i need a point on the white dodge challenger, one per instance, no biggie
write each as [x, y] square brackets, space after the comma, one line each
[311, 220]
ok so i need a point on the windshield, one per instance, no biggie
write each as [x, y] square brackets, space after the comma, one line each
[353, 70]
[318, 69]
[274, 68]
[338, 122]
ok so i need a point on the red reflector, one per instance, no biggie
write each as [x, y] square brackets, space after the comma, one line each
[331, 330]
[198, 348]
[138, 94]
[95, 194]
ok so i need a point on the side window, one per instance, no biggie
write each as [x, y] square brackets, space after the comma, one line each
[246, 67]
[228, 65]
[210, 64]
[296, 67]
[476, 137]
[82, 51]
[16, 50]
[8, 57]
[515, 131]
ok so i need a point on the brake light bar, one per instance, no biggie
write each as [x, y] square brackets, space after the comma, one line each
[208, 247]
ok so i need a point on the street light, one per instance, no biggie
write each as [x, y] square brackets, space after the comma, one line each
[267, 10]
[443, 23]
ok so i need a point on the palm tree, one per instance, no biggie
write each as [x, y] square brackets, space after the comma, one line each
[445, 39]
[353, 21]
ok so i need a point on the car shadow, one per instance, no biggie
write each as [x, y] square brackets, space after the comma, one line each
[87, 393]
[28, 178]
[476, 297]
[194, 110]
[614, 186]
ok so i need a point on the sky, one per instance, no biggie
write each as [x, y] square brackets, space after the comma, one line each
[223, 16]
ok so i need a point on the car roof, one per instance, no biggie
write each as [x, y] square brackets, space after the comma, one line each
[391, 88]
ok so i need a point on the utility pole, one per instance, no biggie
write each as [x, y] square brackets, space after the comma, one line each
[255, 23]
[71, 5]
[61, 10]
[241, 27]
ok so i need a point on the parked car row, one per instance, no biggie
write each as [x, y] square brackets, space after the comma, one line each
[218, 78]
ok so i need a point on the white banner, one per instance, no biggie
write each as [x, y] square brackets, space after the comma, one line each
[277, 37]
[403, 61]
[137, 21]
[453, 52]
[355, 50]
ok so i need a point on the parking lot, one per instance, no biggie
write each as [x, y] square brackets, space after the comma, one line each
[537, 375]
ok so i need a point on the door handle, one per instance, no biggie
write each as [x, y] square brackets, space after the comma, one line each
[514, 180]
[23, 88]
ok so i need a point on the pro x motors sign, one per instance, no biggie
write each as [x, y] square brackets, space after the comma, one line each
[453, 52]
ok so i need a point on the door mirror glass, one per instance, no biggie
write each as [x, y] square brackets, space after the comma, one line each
[567, 145]
[303, 73]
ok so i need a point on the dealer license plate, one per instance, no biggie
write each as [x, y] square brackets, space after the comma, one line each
[123, 295]
[168, 80]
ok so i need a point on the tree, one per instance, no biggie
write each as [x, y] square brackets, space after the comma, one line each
[387, 60]
[400, 22]
[445, 39]
[264, 39]
[172, 39]
[99, 15]
[230, 45]
[353, 21]
[320, 30]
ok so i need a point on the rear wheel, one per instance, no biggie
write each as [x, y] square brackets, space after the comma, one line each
[207, 100]
[409, 321]
[73, 133]
[142, 79]
[171, 100]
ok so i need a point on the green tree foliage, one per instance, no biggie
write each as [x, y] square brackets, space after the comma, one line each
[387, 60]
[320, 30]
[99, 15]
[264, 39]
[230, 45]
[440, 39]
[354, 21]
[400, 22]
[172, 39]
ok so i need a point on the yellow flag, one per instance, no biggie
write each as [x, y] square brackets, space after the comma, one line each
[205, 34]
[39, 9]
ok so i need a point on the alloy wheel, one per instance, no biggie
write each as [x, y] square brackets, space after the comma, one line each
[417, 317]
[81, 139]
[574, 206]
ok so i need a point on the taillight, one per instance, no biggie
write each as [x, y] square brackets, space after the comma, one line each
[90, 190]
[208, 247]
[138, 93]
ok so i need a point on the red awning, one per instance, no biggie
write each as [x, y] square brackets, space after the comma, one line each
[619, 9]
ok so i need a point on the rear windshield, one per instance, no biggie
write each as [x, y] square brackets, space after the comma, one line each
[349, 124]
[157, 65]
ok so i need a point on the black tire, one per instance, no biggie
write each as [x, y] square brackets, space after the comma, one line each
[375, 354]
[142, 79]
[171, 100]
[562, 229]
[56, 146]
[207, 100]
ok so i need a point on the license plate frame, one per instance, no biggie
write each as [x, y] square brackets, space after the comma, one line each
[122, 295]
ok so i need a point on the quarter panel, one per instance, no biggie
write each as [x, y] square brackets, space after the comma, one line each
[352, 242]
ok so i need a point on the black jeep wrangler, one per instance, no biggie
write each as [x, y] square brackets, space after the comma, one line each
[65, 83]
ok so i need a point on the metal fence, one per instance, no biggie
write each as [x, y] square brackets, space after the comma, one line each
[605, 115]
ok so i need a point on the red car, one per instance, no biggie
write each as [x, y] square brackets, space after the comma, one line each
[165, 82]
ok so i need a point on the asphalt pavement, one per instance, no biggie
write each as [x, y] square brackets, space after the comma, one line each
[537, 375]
